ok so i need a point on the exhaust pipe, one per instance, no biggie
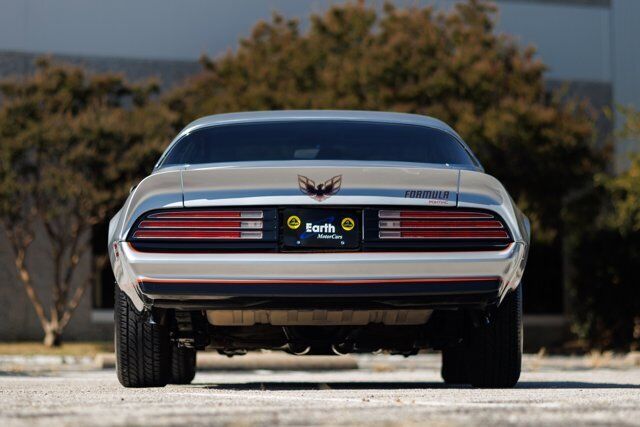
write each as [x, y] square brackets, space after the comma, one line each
[342, 349]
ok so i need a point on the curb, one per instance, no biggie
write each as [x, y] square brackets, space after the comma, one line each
[255, 361]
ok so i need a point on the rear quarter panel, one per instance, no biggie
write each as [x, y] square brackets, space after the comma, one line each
[159, 190]
[479, 190]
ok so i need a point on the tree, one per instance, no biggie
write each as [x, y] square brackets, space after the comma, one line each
[605, 253]
[70, 146]
[625, 188]
[449, 65]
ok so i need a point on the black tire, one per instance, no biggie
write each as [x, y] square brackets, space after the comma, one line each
[495, 353]
[183, 365]
[454, 366]
[142, 348]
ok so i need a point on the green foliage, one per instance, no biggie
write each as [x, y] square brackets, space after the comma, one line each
[604, 256]
[625, 188]
[604, 288]
[71, 144]
[625, 197]
[449, 65]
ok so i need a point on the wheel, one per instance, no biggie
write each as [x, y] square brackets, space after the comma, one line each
[183, 365]
[495, 351]
[454, 365]
[142, 347]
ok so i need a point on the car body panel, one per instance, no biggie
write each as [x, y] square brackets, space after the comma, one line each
[364, 184]
[277, 184]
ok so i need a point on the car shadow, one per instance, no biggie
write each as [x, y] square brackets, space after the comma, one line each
[25, 373]
[286, 386]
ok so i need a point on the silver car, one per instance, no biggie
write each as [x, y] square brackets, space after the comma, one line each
[318, 232]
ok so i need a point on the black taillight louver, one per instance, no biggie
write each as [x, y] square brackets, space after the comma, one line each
[206, 230]
[433, 229]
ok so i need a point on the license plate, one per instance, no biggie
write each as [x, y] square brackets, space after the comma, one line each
[321, 228]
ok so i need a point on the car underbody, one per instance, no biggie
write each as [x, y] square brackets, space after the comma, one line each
[321, 332]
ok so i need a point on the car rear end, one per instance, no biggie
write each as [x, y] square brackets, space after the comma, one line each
[319, 256]
[434, 256]
[247, 252]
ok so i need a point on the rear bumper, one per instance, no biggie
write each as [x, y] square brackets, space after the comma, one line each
[373, 288]
[323, 296]
[149, 278]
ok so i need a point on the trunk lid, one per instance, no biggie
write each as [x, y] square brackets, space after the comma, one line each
[319, 183]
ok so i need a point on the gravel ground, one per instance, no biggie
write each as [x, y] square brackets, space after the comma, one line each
[383, 391]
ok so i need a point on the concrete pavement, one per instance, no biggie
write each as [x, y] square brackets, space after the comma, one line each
[383, 391]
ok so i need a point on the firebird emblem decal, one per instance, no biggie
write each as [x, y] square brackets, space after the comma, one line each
[321, 191]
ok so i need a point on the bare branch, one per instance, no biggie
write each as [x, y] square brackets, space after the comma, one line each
[72, 263]
[73, 303]
[75, 251]
[80, 290]
[25, 278]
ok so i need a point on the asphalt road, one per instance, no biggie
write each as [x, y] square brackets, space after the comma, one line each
[386, 391]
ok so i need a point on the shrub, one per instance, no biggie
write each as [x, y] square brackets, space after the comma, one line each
[451, 65]
[605, 255]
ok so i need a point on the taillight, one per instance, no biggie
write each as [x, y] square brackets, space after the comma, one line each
[434, 229]
[449, 214]
[444, 234]
[256, 229]
[195, 234]
[208, 214]
[440, 225]
[201, 225]
[243, 225]
[206, 229]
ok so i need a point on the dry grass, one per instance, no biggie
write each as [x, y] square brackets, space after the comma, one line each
[598, 359]
[381, 367]
[538, 360]
[67, 349]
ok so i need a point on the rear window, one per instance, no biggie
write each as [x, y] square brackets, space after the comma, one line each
[318, 140]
